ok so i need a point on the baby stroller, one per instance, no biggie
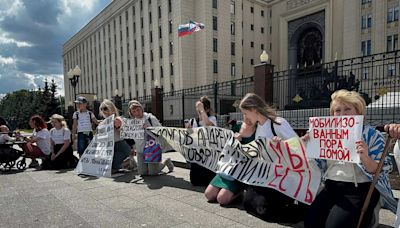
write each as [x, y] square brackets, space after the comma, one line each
[9, 156]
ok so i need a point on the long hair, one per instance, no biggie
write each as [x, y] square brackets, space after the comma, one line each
[109, 105]
[38, 122]
[207, 105]
[252, 101]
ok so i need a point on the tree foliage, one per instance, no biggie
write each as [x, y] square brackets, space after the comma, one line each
[17, 107]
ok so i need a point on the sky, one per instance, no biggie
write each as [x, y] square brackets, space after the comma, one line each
[32, 33]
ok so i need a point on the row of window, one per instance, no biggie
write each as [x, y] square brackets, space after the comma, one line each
[392, 15]
[215, 68]
[391, 45]
[232, 7]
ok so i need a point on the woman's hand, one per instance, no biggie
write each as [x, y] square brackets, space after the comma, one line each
[53, 156]
[276, 139]
[145, 125]
[199, 107]
[133, 152]
[362, 150]
[305, 138]
[393, 130]
[238, 136]
[117, 123]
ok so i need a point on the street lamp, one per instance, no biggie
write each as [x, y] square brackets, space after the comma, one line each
[73, 76]
[264, 57]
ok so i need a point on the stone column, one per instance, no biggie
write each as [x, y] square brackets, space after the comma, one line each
[263, 81]
[157, 103]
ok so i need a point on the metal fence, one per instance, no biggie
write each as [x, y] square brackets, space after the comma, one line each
[300, 92]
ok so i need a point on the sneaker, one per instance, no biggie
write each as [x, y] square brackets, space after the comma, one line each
[34, 164]
[169, 164]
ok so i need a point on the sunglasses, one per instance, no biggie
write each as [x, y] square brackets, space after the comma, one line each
[104, 109]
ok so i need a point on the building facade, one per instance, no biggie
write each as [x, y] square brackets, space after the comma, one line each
[131, 45]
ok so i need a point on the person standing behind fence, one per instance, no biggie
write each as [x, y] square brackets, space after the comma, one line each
[223, 188]
[136, 112]
[121, 148]
[394, 132]
[340, 201]
[200, 176]
[83, 120]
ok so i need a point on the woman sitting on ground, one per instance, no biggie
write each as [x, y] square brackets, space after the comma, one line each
[40, 137]
[61, 146]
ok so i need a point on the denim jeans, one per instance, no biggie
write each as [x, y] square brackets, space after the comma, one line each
[84, 139]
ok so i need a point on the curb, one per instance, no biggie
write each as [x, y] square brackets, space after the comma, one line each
[179, 164]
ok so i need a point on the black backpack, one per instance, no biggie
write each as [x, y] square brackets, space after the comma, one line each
[76, 113]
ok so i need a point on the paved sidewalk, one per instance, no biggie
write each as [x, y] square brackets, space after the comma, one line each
[62, 199]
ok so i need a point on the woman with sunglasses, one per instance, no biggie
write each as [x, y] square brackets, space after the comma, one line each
[121, 148]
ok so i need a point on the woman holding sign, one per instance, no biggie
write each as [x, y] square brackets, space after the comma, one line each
[346, 184]
[154, 168]
[121, 148]
[264, 202]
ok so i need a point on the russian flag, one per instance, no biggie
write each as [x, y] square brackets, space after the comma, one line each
[191, 27]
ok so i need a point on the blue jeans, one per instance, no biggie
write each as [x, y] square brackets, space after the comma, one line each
[84, 139]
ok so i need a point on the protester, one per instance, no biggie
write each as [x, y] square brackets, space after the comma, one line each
[60, 144]
[83, 121]
[136, 111]
[346, 185]
[262, 201]
[41, 137]
[223, 188]
[200, 176]
[4, 137]
[121, 148]
[394, 131]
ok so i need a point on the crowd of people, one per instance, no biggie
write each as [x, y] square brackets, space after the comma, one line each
[338, 204]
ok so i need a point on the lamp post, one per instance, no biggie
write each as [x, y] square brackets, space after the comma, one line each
[73, 76]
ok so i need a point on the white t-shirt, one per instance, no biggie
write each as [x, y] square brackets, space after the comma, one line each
[43, 140]
[282, 130]
[58, 136]
[84, 122]
[212, 119]
[396, 151]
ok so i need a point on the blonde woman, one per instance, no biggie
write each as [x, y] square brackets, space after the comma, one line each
[263, 201]
[346, 186]
[61, 156]
[136, 111]
[121, 148]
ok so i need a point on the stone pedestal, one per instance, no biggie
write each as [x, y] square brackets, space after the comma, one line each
[263, 81]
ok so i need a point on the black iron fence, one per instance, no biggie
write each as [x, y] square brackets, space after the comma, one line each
[299, 92]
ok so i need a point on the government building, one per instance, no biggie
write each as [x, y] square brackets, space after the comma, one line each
[133, 45]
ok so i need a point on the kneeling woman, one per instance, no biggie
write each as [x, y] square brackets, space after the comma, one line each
[223, 188]
[61, 148]
[121, 149]
[340, 201]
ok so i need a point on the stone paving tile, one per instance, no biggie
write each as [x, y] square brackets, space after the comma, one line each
[134, 192]
[189, 214]
[8, 191]
[151, 217]
[85, 185]
[66, 193]
[122, 203]
[100, 193]
[199, 200]
[184, 225]
[44, 204]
